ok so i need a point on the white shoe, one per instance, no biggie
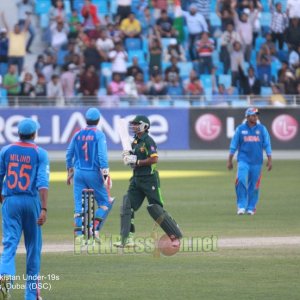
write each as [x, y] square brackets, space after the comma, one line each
[241, 211]
[79, 240]
[128, 244]
[250, 212]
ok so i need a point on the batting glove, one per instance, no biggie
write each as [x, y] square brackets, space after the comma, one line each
[130, 160]
[126, 152]
[106, 178]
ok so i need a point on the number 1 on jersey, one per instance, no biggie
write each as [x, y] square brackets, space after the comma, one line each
[85, 149]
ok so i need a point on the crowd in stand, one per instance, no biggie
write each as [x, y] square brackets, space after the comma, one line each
[152, 48]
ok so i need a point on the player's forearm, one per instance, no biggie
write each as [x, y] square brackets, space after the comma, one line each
[147, 162]
[43, 197]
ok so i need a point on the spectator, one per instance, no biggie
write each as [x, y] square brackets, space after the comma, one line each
[245, 27]
[119, 59]
[221, 94]
[227, 40]
[158, 6]
[196, 24]
[254, 9]
[165, 25]
[290, 83]
[278, 24]
[281, 72]
[131, 27]
[174, 87]
[140, 84]
[294, 58]
[123, 9]
[41, 88]
[225, 14]
[277, 99]
[250, 85]
[49, 67]
[74, 20]
[54, 91]
[116, 86]
[114, 33]
[193, 86]
[59, 34]
[157, 87]
[90, 15]
[205, 49]
[25, 8]
[89, 85]
[91, 55]
[293, 9]
[11, 84]
[130, 89]
[3, 50]
[134, 69]
[68, 78]
[39, 64]
[292, 33]
[147, 22]
[104, 45]
[17, 43]
[172, 71]
[270, 44]
[174, 49]
[236, 59]
[155, 52]
[26, 86]
[57, 11]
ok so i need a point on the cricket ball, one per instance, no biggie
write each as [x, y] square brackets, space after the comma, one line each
[167, 246]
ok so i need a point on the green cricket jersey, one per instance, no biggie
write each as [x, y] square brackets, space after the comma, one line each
[143, 148]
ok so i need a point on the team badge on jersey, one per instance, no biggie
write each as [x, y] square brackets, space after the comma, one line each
[257, 132]
[142, 149]
[244, 131]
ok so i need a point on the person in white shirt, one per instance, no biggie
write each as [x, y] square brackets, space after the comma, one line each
[104, 45]
[119, 59]
[293, 8]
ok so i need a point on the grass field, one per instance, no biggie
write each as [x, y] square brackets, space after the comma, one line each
[203, 206]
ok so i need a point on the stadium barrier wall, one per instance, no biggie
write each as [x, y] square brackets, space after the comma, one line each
[173, 129]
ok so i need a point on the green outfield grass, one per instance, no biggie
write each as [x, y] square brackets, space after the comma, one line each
[203, 206]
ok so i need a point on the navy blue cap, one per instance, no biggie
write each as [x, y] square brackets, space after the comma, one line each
[93, 114]
[251, 111]
[28, 126]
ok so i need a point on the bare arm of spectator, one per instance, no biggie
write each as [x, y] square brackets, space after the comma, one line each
[27, 23]
[234, 13]
[218, 12]
[4, 21]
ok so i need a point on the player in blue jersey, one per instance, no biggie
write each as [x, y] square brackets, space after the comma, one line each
[250, 139]
[87, 161]
[24, 181]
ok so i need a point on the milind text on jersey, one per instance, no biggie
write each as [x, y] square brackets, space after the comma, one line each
[20, 158]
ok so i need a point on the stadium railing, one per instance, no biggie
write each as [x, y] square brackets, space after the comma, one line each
[153, 101]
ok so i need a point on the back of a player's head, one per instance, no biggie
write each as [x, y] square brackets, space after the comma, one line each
[92, 116]
[27, 129]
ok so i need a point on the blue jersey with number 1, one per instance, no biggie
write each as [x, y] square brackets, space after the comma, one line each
[88, 150]
[24, 168]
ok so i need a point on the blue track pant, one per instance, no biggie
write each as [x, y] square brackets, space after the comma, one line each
[247, 185]
[20, 213]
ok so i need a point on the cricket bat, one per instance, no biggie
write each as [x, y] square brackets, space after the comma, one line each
[122, 128]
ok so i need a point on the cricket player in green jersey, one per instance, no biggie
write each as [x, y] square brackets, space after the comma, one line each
[145, 182]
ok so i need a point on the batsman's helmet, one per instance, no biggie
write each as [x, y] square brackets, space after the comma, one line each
[142, 121]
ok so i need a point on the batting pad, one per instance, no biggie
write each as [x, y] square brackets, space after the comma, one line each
[164, 220]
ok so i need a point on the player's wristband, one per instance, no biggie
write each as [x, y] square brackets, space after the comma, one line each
[44, 208]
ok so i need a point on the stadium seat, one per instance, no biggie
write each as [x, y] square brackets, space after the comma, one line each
[264, 74]
[60, 59]
[44, 21]
[266, 91]
[275, 66]
[185, 68]
[215, 21]
[259, 42]
[42, 7]
[138, 53]
[67, 6]
[225, 79]
[175, 91]
[3, 97]
[265, 19]
[133, 44]
[3, 68]
[181, 103]
[165, 42]
[105, 74]
[283, 55]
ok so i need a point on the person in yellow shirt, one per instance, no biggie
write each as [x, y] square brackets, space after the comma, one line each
[131, 27]
[17, 43]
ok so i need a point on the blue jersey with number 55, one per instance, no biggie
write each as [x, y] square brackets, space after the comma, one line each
[24, 169]
[87, 150]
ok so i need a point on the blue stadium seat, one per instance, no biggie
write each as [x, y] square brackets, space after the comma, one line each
[181, 103]
[175, 91]
[3, 97]
[259, 42]
[207, 84]
[44, 21]
[60, 58]
[185, 68]
[215, 21]
[138, 53]
[133, 44]
[264, 75]
[266, 91]
[113, 7]
[42, 7]
[275, 66]
[105, 74]
[265, 19]
[3, 68]
[225, 79]
[283, 55]
[165, 42]
[67, 6]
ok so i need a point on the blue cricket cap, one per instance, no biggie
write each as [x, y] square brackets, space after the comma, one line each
[92, 114]
[28, 126]
[251, 111]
